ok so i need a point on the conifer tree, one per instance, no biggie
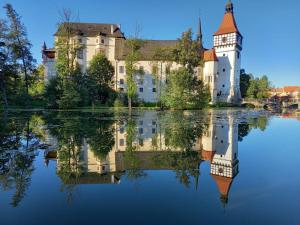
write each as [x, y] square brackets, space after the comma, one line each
[19, 43]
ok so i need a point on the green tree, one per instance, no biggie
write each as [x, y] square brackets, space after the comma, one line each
[184, 91]
[161, 56]
[134, 46]
[188, 52]
[38, 85]
[100, 76]
[244, 82]
[70, 82]
[70, 97]
[19, 43]
[259, 88]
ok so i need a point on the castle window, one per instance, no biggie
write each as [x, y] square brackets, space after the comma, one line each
[80, 54]
[224, 70]
[221, 170]
[223, 85]
[238, 55]
[224, 39]
[224, 54]
[102, 41]
[141, 142]
[153, 89]
[121, 69]
[153, 130]
[153, 122]
[121, 142]
[121, 89]
[141, 89]
[121, 81]
[141, 130]
[141, 122]
[121, 130]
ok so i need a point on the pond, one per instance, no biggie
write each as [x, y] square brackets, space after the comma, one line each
[183, 167]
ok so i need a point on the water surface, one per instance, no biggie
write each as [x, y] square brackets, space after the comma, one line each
[192, 167]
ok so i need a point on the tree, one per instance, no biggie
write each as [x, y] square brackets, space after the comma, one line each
[38, 85]
[19, 43]
[69, 73]
[134, 46]
[244, 82]
[100, 76]
[3, 62]
[188, 52]
[259, 88]
[184, 91]
[161, 56]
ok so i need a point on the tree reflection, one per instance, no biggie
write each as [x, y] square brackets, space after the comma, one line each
[19, 139]
[245, 128]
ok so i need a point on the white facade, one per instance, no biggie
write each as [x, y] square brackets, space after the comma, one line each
[221, 71]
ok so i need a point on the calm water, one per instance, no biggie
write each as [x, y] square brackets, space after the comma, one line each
[212, 167]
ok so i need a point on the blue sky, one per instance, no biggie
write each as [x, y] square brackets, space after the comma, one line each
[271, 28]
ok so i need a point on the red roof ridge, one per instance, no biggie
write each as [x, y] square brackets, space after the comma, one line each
[210, 55]
[228, 25]
[223, 183]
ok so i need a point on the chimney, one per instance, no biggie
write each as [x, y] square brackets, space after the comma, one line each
[112, 28]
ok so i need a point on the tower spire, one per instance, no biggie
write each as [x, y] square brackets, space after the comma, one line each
[229, 7]
[199, 33]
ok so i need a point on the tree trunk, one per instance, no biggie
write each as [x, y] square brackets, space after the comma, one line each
[129, 106]
[4, 95]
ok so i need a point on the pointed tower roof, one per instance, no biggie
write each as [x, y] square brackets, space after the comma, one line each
[210, 55]
[199, 33]
[224, 184]
[228, 24]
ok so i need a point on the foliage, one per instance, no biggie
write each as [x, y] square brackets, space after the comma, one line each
[245, 82]
[188, 52]
[100, 78]
[184, 91]
[133, 45]
[19, 44]
[38, 85]
[259, 88]
[53, 92]
[70, 98]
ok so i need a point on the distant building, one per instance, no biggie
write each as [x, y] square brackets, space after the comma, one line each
[220, 71]
[291, 92]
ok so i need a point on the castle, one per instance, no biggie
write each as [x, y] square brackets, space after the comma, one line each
[220, 70]
[217, 147]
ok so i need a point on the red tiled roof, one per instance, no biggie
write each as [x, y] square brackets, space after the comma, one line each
[286, 89]
[228, 25]
[291, 89]
[210, 55]
[207, 155]
[223, 184]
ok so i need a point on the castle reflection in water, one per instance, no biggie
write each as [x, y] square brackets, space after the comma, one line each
[150, 141]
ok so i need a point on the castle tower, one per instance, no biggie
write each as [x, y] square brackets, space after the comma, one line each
[224, 165]
[228, 47]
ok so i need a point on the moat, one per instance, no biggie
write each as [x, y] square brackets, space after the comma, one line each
[182, 167]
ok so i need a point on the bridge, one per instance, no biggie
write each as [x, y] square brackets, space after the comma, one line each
[271, 103]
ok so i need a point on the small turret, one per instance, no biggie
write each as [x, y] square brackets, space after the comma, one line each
[199, 33]
[229, 7]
